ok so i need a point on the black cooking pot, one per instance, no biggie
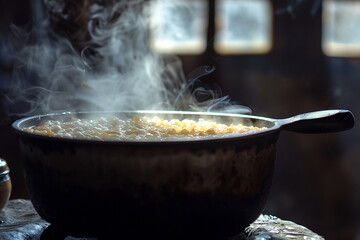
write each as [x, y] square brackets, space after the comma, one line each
[211, 187]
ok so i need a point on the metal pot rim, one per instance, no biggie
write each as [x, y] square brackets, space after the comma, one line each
[18, 127]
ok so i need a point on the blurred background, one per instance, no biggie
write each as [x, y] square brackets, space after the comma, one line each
[278, 57]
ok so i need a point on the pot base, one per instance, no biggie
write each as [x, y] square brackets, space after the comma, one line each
[208, 217]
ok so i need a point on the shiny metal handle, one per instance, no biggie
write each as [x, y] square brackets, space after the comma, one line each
[319, 122]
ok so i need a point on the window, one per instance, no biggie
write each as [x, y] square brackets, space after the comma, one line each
[243, 26]
[179, 26]
[341, 28]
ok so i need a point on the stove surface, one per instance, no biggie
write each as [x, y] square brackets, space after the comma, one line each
[19, 221]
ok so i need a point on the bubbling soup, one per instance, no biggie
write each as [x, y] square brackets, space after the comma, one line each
[137, 128]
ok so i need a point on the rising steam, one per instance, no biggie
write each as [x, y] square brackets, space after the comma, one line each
[293, 6]
[116, 70]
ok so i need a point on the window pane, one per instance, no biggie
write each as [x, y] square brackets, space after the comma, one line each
[341, 28]
[243, 26]
[179, 26]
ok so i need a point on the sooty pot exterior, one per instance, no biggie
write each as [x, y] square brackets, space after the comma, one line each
[217, 189]
[211, 189]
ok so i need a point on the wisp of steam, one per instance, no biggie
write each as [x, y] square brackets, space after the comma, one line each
[116, 70]
[294, 5]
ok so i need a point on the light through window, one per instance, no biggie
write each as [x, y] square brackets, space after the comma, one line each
[243, 26]
[341, 28]
[179, 26]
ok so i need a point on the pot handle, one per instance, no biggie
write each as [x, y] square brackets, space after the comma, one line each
[319, 122]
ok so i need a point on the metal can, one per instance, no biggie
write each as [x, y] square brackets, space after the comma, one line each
[5, 183]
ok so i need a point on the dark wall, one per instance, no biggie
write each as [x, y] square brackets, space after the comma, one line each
[17, 12]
